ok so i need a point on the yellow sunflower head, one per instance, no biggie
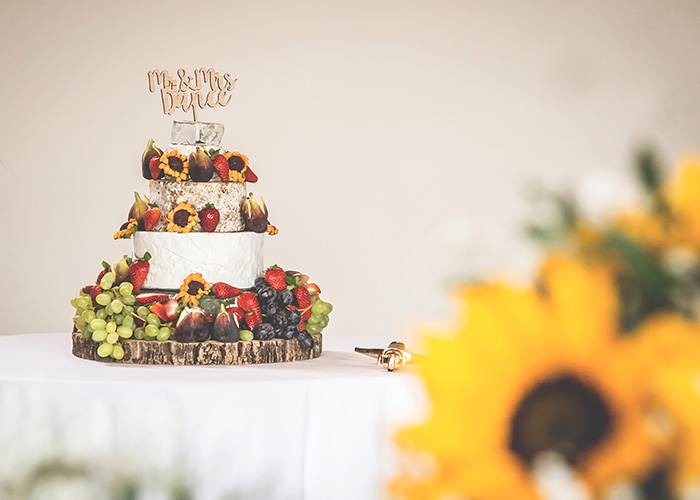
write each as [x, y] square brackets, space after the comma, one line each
[193, 289]
[668, 349]
[237, 164]
[175, 165]
[127, 229]
[182, 219]
[524, 374]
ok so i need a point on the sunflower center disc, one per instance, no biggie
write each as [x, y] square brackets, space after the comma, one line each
[562, 415]
[176, 164]
[194, 287]
[181, 218]
[236, 163]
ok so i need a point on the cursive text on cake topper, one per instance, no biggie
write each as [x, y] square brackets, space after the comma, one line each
[205, 87]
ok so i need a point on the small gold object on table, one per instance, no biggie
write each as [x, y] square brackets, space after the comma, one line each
[393, 357]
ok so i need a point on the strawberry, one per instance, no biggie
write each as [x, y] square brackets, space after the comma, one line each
[154, 165]
[221, 167]
[170, 308]
[252, 320]
[225, 291]
[240, 314]
[250, 176]
[313, 289]
[105, 270]
[276, 278]
[304, 301]
[138, 270]
[149, 298]
[151, 217]
[249, 303]
[209, 218]
[159, 310]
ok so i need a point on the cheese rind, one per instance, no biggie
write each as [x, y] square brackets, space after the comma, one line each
[234, 258]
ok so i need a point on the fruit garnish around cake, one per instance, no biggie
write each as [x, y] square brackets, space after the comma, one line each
[138, 209]
[193, 326]
[150, 218]
[182, 218]
[209, 218]
[151, 153]
[126, 230]
[138, 271]
[221, 166]
[201, 166]
[225, 291]
[254, 214]
[226, 327]
[276, 278]
[193, 288]
[175, 166]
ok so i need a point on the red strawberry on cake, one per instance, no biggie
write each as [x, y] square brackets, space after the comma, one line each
[138, 270]
[209, 218]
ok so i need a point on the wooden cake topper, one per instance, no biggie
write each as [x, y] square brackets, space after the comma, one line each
[189, 92]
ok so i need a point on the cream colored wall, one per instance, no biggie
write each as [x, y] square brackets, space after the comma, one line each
[384, 133]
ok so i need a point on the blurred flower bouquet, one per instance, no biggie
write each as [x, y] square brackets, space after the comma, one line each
[584, 384]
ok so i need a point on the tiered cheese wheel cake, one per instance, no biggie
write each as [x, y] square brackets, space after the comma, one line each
[229, 253]
[195, 290]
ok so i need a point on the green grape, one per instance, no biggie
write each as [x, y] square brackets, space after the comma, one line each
[139, 333]
[82, 302]
[99, 335]
[109, 310]
[327, 308]
[313, 329]
[98, 324]
[88, 316]
[73, 303]
[117, 306]
[85, 333]
[129, 300]
[107, 280]
[79, 321]
[317, 308]
[103, 299]
[163, 334]
[118, 319]
[105, 350]
[117, 351]
[111, 327]
[112, 337]
[323, 321]
[129, 322]
[314, 319]
[153, 319]
[101, 314]
[142, 311]
[126, 288]
[125, 331]
[151, 331]
[246, 335]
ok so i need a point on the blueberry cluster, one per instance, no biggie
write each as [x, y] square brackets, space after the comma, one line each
[279, 321]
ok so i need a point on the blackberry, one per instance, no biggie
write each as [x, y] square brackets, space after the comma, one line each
[285, 297]
[305, 339]
[290, 331]
[269, 308]
[264, 331]
[267, 294]
[278, 320]
[293, 316]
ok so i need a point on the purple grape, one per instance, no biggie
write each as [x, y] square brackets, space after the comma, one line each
[305, 339]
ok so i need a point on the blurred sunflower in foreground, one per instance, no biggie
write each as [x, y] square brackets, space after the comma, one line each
[585, 384]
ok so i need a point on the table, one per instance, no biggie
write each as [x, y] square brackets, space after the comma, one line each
[318, 429]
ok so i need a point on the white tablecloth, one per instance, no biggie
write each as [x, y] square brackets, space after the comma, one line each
[318, 429]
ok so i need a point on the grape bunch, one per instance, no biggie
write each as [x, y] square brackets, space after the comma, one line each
[107, 313]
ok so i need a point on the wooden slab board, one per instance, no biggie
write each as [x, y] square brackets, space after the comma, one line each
[211, 352]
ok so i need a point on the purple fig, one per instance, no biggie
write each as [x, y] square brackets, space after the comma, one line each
[201, 166]
[226, 327]
[254, 214]
[192, 326]
[150, 152]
